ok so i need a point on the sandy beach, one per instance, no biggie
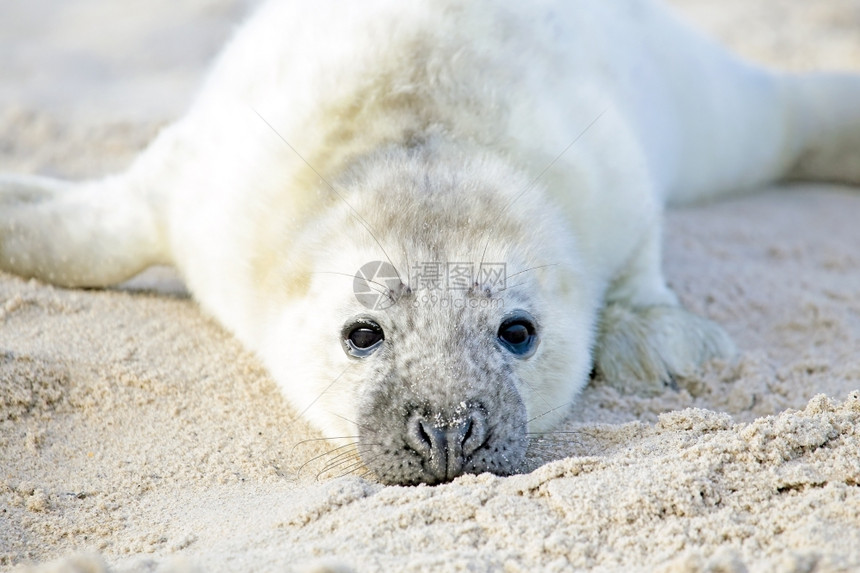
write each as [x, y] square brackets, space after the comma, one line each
[137, 435]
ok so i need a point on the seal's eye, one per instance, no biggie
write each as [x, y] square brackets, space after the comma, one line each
[363, 338]
[518, 334]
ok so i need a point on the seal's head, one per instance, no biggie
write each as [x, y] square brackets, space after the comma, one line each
[442, 324]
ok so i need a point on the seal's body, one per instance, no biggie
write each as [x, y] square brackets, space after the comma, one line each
[488, 176]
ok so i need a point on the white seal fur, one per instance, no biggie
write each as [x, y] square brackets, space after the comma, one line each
[544, 135]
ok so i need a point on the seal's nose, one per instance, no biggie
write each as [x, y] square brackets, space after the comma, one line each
[445, 445]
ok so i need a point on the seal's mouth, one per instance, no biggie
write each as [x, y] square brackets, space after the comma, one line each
[431, 446]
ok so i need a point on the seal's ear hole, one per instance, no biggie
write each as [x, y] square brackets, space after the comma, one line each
[362, 338]
[518, 334]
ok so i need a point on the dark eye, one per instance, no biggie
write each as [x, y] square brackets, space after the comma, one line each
[361, 339]
[518, 334]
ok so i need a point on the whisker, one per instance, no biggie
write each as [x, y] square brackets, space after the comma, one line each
[556, 443]
[384, 288]
[297, 444]
[343, 454]
[542, 448]
[368, 428]
[308, 407]
[406, 256]
[541, 174]
[344, 458]
[350, 469]
[365, 474]
[328, 453]
[561, 432]
[351, 464]
[565, 405]
[530, 269]
[543, 444]
[361, 219]
[544, 437]
[556, 447]
[349, 457]
[510, 287]
[539, 395]
[359, 447]
[557, 157]
[364, 462]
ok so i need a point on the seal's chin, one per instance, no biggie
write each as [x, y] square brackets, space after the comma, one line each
[435, 445]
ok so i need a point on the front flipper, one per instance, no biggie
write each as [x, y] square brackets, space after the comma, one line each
[643, 350]
[646, 339]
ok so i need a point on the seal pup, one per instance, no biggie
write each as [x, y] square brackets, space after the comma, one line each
[337, 147]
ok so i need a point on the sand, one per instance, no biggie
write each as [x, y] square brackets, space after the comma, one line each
[137, 435]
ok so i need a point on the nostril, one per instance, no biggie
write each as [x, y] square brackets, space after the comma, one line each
[475, 432]
[423, 436]
[468, 430]
[433, 436]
